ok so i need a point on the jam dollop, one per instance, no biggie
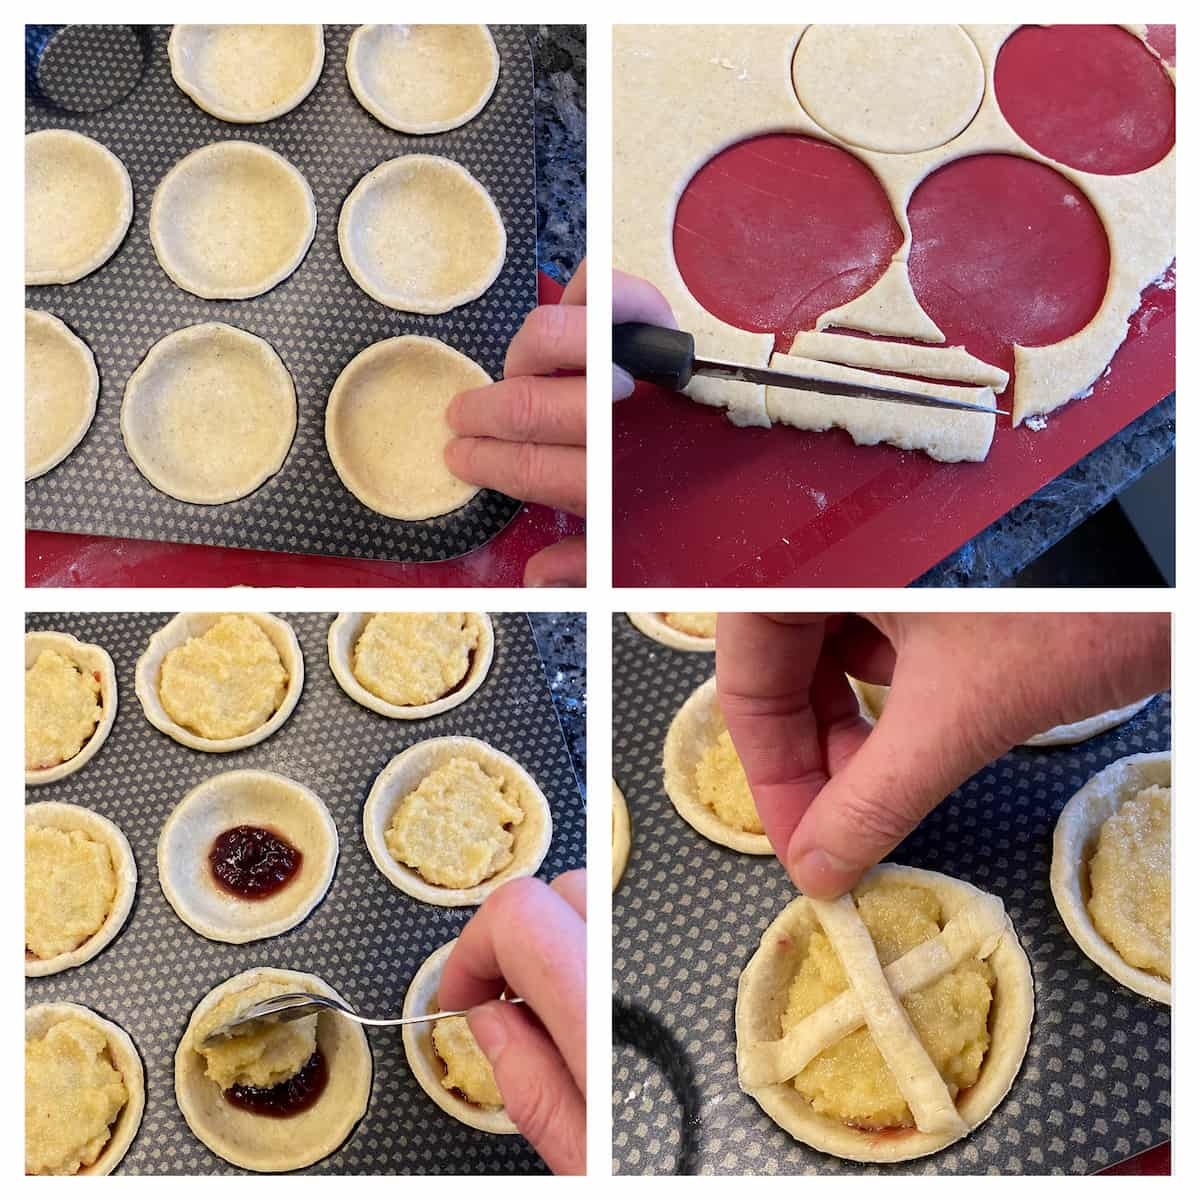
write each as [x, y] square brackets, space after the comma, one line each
[285, 1099]
[252, 862]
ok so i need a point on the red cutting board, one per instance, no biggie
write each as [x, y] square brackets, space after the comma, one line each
[776, 230]
[80, 560]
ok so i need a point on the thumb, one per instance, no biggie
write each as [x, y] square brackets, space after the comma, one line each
[562, 565]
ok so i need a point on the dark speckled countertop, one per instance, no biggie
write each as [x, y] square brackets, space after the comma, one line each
[562, 642]
[560, 101]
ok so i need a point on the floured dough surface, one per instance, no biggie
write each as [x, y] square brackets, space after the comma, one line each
[420, 234]
[267, 1053]
[422, 78]
[225, 683]
[78, 205]
[1130, 877]
[721, 784]
[70, 885]
[73, 1094]
[209, 414]
[455, 828]
[467, 1068]
[414, 658]
[386, 429]
[246, 73]
[61, 387]
[62, 710]
[231, 220]
[696, 624]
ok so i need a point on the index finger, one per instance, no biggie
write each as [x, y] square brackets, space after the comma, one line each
[552, 338]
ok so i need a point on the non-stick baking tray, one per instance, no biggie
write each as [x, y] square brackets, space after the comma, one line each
[1095, 1087]
[367, 938]
[318, 318]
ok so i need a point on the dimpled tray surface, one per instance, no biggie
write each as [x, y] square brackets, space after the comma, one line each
[1095, 1086]
[317, 319]
[366, 938]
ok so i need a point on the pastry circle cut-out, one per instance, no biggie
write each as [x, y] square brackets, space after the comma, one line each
[422, 78]
[886, 1024]
[420, 234]
[70, 704]
[621, 834]
[450, 819]
[1111, 872]
[231, 220]
[80, 881]
[61, 388]
[275, 1095]
[209, 414]
[247, 855]
[704, 779]
[410, 665]
[386, 428]
[85, 1091]
[680, 631]
[445, 1057]
[246, 73]
[220, 681]
[78, 205]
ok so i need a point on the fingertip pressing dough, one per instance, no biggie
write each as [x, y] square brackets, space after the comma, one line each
[80, 880]
[386, 428]
[246, 73]
[422, 78]
[420, 234]
[446, 1059]
[84, 1091]
[621, 834]
[70, 704]
[680, 631]
[209, 414]
[410, 665]
[78, 205]
[451, 819]
[220, 681]
[231, 220]
[704, 779]
[61, 388]
[257, 799]
[271, 1051]
[1111, 872]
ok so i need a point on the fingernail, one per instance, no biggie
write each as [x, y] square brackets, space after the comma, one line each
[819, 873]
[488, 1027]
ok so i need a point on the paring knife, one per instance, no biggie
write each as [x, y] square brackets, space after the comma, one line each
[667, 357]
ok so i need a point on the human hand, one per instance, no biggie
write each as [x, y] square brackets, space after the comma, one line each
[526, 436]
[834, 795]
[634, 299]
[530, 940]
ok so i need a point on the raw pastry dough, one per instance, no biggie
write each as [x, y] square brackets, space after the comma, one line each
[231, 220]
[423, 1058]
[78, 205]
[210, 413]
[44, 1099]
[261, 1143]
[1075, 838]
[61, 387]
[53, 903]
[404, 775]
[662, 628]
[246, 73]
[386, 430]
[696, 731]
[344, 637]
[177, 633]
[420, 234]
[744, 76]
[621, 834]
[422, 78]
[247, 797]
[88, 659]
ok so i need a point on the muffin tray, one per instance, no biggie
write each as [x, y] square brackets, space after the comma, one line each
[1095, 1087]
[366, 938]
[317, 319]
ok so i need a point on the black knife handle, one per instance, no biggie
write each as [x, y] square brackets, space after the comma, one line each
[655, 354]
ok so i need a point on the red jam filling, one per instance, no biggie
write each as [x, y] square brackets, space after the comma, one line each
[253, 863]
[285, 1099]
